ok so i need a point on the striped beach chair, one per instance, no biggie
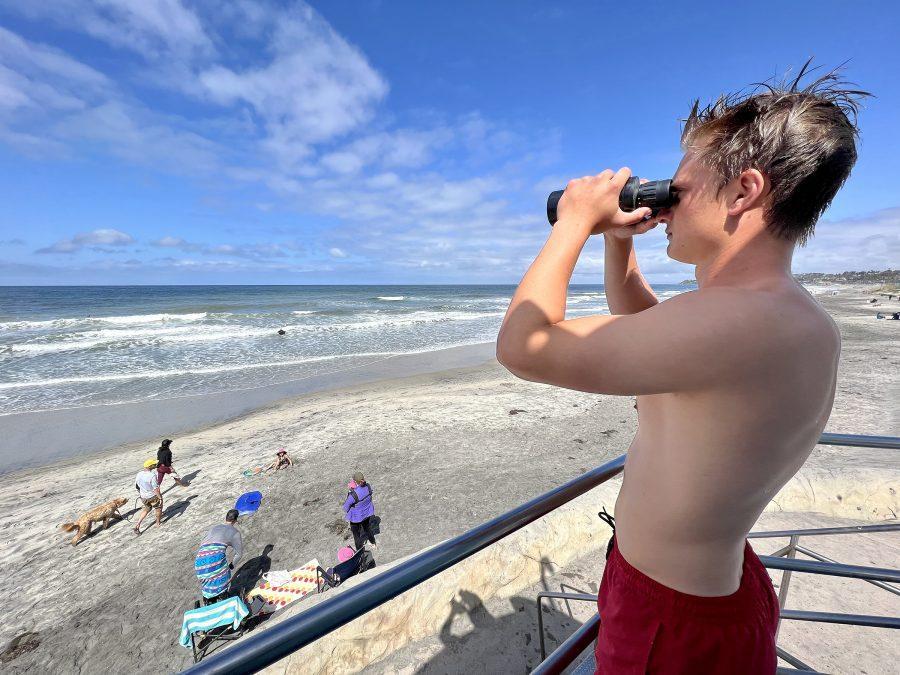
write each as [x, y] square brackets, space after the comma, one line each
[204, 626]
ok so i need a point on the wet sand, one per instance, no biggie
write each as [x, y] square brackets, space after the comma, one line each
[37, 438]
[444, 451]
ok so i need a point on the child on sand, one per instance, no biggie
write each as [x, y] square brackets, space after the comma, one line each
[282, 461]
[164, 463]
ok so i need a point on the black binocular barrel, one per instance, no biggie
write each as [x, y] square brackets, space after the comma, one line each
[657, 194]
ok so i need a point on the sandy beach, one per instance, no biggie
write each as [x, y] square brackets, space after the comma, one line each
[445, 450]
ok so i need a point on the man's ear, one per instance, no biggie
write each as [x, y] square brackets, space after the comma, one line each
[748, 191]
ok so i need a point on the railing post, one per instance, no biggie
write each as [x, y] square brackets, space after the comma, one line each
[786, 580]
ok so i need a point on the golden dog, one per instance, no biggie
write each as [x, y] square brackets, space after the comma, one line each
[103, 512]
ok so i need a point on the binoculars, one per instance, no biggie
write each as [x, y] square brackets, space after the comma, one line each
[656, 194]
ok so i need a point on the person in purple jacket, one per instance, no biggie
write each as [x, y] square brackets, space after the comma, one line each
[359, 509]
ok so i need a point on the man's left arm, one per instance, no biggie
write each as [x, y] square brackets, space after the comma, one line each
[238, 544]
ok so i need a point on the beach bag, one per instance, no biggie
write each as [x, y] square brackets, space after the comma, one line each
[278, 577]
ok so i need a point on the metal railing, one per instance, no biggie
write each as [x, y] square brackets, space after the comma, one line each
[567, 652]
[563, 655]
[271, 645]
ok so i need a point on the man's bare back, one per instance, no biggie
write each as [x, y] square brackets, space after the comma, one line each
[703, 465]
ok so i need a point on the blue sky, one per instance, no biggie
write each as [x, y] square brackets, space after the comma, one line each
[170, 141]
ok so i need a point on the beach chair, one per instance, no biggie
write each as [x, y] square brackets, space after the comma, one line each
[361, 561]
[205, 625]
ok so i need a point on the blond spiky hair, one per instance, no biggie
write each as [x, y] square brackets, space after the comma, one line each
[802, 140]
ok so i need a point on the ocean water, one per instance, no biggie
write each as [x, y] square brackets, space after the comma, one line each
[71, 347]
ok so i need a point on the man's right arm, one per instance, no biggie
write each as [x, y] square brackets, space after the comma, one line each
[627, 292]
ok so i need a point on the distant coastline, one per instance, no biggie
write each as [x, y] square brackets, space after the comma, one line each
[886, 277]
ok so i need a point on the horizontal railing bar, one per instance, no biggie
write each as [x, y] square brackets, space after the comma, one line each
[822, 558]
[831, 569]
[790, 658]
[866, 620]
[273, 644]
[848, 529]
[781, 670]
[861, 441]
[559, 595]
[576, 643]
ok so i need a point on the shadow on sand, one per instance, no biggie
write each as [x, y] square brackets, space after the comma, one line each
[248, 575]
[188, 477]
[477, 640]
[177, 508]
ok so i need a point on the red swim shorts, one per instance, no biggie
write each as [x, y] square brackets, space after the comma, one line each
[646, 627]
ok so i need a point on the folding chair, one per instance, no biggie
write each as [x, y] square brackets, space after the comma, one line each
[361, 561]
[206, 625]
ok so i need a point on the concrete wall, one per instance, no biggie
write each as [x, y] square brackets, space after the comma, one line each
[866, 494]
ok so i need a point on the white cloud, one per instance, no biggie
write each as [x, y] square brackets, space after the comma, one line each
[154, 28]
[404, 148]
[170, 242]
[32, 59]
[107, 237]
[337, 253]
[250, 251]
[37, 81]
[870, 242]
[139, 137]
[315, 88]
[95, 239]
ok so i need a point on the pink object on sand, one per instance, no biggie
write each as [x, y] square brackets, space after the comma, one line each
[345, 553]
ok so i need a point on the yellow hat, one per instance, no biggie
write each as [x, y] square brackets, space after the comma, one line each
[150, 463]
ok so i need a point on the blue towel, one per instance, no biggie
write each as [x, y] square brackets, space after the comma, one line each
[211, 566]
[229, 611]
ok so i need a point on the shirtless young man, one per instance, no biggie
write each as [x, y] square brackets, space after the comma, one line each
[734, 381]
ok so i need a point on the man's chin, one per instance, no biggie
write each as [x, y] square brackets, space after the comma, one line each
[670, 253]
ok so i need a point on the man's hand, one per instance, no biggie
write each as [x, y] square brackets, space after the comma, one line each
[593, 202]
[626, 232]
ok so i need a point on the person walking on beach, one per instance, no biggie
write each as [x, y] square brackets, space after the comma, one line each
[359, 509]
[211, 562]
[164, 463]
[735, 381]
[147, 485]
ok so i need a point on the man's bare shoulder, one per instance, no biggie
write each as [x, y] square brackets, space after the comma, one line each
[781, 317]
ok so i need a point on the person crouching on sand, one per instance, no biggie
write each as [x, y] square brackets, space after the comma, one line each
[282, 461]
[359, 509]
[164, 463]
[211, 562]
[147, 485]
[735, 380]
